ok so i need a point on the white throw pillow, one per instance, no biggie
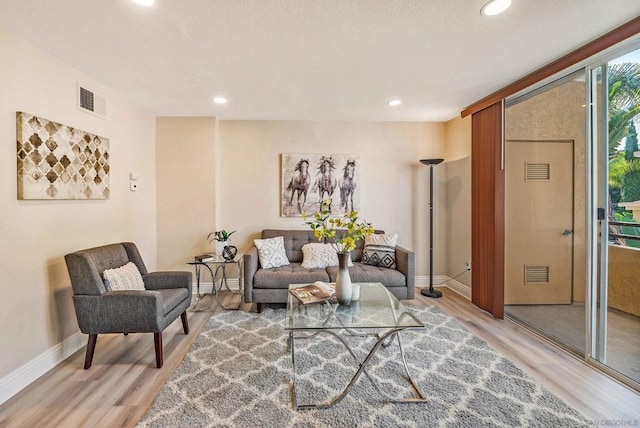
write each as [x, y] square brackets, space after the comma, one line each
[320, 256]
[380, 250]
[126, 277]
[271, 252]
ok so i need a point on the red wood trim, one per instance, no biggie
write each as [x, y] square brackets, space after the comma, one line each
[612, 38]
[487, 211]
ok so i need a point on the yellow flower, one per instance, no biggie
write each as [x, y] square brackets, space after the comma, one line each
[342, 232]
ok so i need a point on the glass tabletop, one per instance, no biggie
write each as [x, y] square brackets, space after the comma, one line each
[216, 258]
[376, 308]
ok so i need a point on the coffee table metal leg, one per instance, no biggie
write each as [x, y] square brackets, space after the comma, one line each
[294, 401]
[362, 368]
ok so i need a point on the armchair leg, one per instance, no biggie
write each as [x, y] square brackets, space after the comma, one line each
[157, 339]
[91, 346]
[185, 322]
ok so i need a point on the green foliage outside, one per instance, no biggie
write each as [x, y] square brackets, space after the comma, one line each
[631, 182]
[631, 143]
[624, 167]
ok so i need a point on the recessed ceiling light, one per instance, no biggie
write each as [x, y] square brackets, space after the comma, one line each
[394, 103]
[220, 100]
[495, 7]
[145, 2]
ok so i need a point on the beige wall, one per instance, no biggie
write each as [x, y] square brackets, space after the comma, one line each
[394, 184]
[458, 197]
[36, 310]
[559, 114]
[186, 181]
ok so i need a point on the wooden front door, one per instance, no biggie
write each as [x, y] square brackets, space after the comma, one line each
[538, 222]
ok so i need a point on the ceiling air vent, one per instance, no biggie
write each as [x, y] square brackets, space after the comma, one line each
[91, 102]
[536, 274]
[537, 171]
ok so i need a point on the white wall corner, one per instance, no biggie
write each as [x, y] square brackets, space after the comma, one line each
[20, 378]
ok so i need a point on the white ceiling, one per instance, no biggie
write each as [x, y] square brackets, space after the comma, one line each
[309, 59]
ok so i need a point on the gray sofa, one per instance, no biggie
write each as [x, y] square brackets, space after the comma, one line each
[271, 285]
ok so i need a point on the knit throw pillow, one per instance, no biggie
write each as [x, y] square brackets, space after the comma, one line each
[126, 277]
[320, 256]
[271, 252]
[380, 250]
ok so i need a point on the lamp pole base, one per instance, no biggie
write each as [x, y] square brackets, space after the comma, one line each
[430, 292]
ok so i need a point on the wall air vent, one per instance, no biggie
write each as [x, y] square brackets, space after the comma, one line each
[536, 274]
[90, 102]
[535, 171]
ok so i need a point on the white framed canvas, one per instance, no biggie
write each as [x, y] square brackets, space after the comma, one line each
[308, 179]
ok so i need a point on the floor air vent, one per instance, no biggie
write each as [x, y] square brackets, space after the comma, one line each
[92, 103]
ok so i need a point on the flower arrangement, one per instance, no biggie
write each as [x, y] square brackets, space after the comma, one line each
[341, 232]
[219, 235]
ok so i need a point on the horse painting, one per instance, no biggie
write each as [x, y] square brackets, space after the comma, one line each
[348, 185]
[308, 179]
[299, 184]
[325, 181]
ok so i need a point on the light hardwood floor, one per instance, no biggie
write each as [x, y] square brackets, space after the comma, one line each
[123, 381]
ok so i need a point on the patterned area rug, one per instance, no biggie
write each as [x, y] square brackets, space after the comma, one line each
[238, 372]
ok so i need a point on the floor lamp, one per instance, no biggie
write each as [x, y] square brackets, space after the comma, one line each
[431, 292]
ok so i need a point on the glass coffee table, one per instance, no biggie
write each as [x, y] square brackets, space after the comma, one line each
[377, 313]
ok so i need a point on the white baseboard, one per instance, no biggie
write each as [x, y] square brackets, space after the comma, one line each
[207, 287]
[438, 281]
[20, 378]
[462, 289]
[444, 281]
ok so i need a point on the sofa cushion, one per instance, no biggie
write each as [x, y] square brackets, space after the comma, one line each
[271, 252]
[380, 250]
[316, 255]
[366, 273]
[125, 277]
[294, 273]
[293, 241]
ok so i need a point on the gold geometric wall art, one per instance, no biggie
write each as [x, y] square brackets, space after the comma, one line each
[57, 161]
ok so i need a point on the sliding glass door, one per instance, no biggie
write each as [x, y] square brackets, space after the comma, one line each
[545, 146]
[614, 295]
[572, 212]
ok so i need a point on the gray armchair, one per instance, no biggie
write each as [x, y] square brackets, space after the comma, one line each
[166, 295]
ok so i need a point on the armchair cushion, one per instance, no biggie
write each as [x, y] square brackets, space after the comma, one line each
[126, 277]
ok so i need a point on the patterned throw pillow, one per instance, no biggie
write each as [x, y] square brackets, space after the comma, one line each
[380, 250]
[126, 277]
[271, 252]
[319, 256]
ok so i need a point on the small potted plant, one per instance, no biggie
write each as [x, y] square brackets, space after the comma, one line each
[219, 239]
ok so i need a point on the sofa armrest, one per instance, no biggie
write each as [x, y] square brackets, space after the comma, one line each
[251, 265]
[167, 280]
[405, 263]
[119, 312]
